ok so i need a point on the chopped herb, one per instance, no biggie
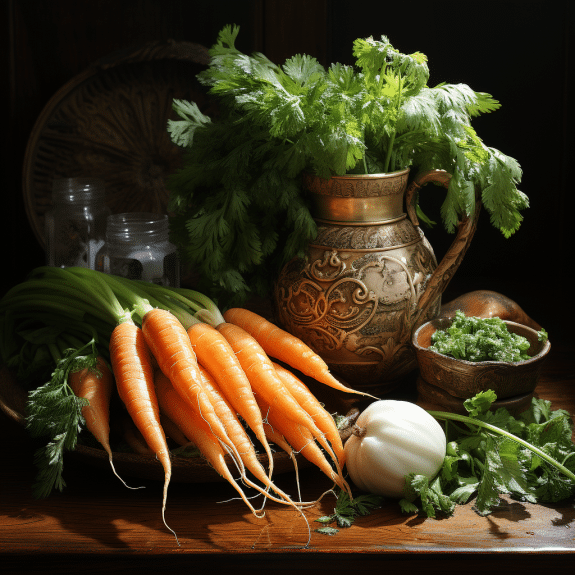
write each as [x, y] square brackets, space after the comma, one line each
[481, 339]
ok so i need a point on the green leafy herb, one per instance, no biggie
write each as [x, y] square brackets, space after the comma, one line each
[531, 458]
[346, 511]
[481, 339]
[431, 496]
[53, 410]
[239, 211]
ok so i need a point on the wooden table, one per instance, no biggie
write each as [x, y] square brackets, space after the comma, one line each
[97, 525]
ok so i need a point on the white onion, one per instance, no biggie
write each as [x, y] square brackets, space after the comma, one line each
[392, 439]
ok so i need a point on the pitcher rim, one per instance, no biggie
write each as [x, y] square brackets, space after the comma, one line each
[380, 175]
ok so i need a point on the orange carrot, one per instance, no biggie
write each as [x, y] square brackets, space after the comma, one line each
[170, 345]
[196, 430]
[301, 440]
[241, 438]
[278, 439]
[261, 373]
[172, 430]
[132, 368]
[286, 347]
[132, 436]
[96, 385]
[267, 384]
[233, 425]
[217, 356]
[309, 402]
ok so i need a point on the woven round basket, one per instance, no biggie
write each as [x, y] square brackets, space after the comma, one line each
[110, 122]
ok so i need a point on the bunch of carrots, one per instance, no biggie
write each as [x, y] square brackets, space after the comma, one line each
[181, 368]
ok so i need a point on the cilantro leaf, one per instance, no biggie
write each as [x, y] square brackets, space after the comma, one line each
[347, 510]
[182, 131]
[431, 495]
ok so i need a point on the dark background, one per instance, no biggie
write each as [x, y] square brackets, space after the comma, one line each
[520, 51]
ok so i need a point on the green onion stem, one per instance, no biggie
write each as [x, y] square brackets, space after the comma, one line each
[91, 292]
[201, 301]
[68, 307]
[81, 302]
[108, 298]
[173, 293]
[55, 352]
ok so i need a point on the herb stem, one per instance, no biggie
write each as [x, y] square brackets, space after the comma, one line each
[392, 138]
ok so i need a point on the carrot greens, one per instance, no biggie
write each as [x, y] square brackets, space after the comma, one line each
[54, 410]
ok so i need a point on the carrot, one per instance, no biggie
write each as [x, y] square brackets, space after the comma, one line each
[96, 385]
[217, 356]
[170, 345]
[233, 425]
[278, 439]
[267, 384]
[309, 402]
[132, 436]
[197, 430]
[301, 440]
[242, 439]
[132, 367]
[172, 431]
[286, 347]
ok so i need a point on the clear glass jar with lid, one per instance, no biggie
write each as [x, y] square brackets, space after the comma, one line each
[138, 247]
[76, 224]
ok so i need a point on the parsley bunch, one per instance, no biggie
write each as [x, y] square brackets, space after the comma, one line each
[239, 212]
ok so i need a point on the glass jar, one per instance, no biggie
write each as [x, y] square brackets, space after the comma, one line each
[138, 247]
[76, 225]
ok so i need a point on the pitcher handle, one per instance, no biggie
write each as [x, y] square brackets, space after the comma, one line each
[452, 258]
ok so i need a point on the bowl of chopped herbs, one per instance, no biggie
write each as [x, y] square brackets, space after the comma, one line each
[464, 355]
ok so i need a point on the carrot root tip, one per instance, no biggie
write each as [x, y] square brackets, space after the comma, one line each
[118, 476]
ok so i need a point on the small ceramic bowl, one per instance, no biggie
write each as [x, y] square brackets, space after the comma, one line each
[464, 379]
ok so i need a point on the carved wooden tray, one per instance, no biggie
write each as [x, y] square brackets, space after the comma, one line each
[110, 122]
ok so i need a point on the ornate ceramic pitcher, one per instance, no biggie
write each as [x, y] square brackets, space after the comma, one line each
[369, 278]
